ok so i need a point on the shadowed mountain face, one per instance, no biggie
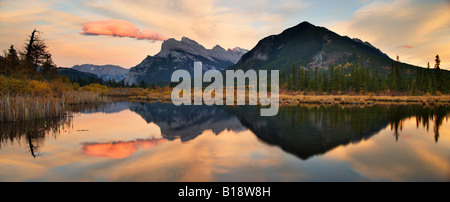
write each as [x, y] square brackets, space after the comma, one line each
[311, 46]
[175, 55]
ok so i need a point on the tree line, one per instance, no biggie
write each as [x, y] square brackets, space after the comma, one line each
[356, 78]
[34, 61]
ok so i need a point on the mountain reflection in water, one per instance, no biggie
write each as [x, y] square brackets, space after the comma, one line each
[304, 131]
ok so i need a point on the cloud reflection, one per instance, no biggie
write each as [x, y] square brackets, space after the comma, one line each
[119, 150]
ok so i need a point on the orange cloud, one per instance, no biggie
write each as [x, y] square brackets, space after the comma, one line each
[119, 150]
[119, 28]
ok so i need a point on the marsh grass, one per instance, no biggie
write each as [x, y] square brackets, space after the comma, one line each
[27, 107]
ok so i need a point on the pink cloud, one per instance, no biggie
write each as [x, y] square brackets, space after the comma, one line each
[119, 150]
[119, 28]
[405, 46]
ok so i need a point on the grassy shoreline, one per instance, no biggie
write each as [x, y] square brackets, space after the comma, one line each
[294, 99]
[43, 101]
[362, 99]
[21, 107]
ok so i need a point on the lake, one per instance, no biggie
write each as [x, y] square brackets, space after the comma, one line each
[132, 141]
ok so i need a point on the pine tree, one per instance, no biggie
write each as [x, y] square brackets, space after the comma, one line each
[289, 82]
[294, 77]
[301, 79]
[332, 86]
[438, 75]
[11, 62]
[283, 78]
[143, 84]
[307, 79]
[49, 70]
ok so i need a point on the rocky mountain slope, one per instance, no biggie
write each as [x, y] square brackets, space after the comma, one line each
[182, 54]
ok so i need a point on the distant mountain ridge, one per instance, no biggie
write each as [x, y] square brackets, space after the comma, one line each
[182, 54]
[106, 72]
[75, 75]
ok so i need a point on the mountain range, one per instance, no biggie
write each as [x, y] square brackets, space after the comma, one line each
[303, 45]
[106, 72]
[175, 55]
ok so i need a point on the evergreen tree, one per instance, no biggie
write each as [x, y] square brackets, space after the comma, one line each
[301, 79]
[307, 79]
[142, 84]
[289, 82]
[11, 62]
[438, 75]
[294, 77]
[283, 78]
[49, 70]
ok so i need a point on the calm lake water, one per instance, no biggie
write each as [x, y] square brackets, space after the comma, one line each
[131, 141]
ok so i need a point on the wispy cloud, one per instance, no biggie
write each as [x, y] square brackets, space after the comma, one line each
[405, 46]
[390, 25]
[397, 26]
[119, 28]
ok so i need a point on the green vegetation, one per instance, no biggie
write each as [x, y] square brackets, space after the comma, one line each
[353, 78]
[32, 88]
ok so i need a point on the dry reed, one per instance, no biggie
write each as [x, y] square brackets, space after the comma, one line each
[26, 107]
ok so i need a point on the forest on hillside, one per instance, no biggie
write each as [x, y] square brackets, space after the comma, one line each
[351, 78]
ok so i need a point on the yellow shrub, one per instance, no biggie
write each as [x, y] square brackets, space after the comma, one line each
[39, 87]
[75, 86]
[16, 86]
[95, 87]
[57, 87]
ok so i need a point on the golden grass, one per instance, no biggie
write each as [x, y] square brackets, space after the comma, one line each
[290, 99]
[296, 99]
[27, 107]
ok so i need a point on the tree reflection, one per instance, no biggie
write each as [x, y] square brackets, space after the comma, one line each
[308, 130]
[32, 133]
[304, 130]
[423, 116]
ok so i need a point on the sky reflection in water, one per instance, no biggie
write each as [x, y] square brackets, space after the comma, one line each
[160, 142]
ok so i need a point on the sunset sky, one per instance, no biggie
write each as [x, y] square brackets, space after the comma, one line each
[124, 32]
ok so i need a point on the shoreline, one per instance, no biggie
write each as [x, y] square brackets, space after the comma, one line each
[289, 99]
[362, 99]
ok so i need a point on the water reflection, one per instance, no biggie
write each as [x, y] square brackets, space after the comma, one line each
[32, 133]
[160, 142]
[304, 131]
[186, 122]
[310, 130]
[119, 150]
